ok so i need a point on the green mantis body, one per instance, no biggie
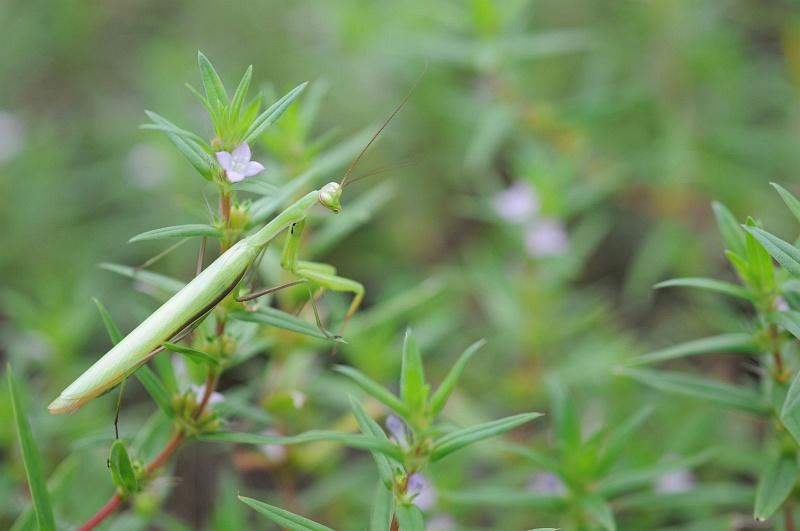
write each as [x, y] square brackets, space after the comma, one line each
[212, 285]
[200, 296]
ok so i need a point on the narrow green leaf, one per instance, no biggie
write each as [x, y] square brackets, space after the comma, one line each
[163, 367]
[374, 389]
[168, 284]
[730, 229]
[59, 484]
[178, 231]
[600, 511]
[460, 438]
[156, 389]
[211, 110]
[566, 422]
[122, 469]
[790, 320]
[409, 517]
[760, 261]
[413, 391]
[199, 145]
[710, 284]
[789, 199]
[352, 440]
[439, 398]
[192, 353]
[31, 459]
[239, 95]
[254, 186]
[286, 321]
[619, 439]
[111, 328]
[785, 253]
[790, 412]
[741, 266]
[370, 428]
[284, 518]
[266, 118]
[191, 151]
[722, 343]
[775, 485]
[382, 509]
[714, 392]
[215, 91]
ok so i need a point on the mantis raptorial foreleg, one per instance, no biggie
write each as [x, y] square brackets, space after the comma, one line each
[319, 274]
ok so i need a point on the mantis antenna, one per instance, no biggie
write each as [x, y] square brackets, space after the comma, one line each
[410, 92]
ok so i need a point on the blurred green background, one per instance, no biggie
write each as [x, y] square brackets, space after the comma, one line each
[620, 120]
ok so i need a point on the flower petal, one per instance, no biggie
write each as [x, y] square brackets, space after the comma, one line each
[224, 159]
[242, 152]
[253, 168]
[234, 176]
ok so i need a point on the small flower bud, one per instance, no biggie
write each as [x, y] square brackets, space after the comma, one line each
[398, 430]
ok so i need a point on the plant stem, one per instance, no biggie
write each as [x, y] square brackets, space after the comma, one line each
[110, 507]
[788, 512]
[211, 385]
[168, 450]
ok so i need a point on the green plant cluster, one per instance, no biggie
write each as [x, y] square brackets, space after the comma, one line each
[556, 161]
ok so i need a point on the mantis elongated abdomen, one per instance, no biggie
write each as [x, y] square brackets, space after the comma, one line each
[192, 302]
[201, 295]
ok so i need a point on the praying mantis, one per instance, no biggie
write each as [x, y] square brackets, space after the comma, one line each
[213, 284]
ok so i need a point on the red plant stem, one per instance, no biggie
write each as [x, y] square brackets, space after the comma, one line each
[168, 450]
[178, 437]
[788, 511]
[211, 384]
[116, 500]
[110, 507]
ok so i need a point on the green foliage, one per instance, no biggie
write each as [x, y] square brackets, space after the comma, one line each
[776, 329]
[123, 473]
[31, 459]
[624, 119]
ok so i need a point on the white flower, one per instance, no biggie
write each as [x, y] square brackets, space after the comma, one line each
[215, 398]
[398, 430]
[421, 493]
[237, 165]
[274, 452]
[546, 237]
[12, 136]
[517, 204]
[546, 483]
[682, 480]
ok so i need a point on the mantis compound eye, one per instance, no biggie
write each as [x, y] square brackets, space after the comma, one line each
[329, 196]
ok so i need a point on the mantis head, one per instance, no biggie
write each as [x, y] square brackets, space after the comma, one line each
[329, 196]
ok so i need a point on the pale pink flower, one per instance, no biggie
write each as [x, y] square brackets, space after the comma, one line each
[517, 203]
[546, 237]
[237, 165]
